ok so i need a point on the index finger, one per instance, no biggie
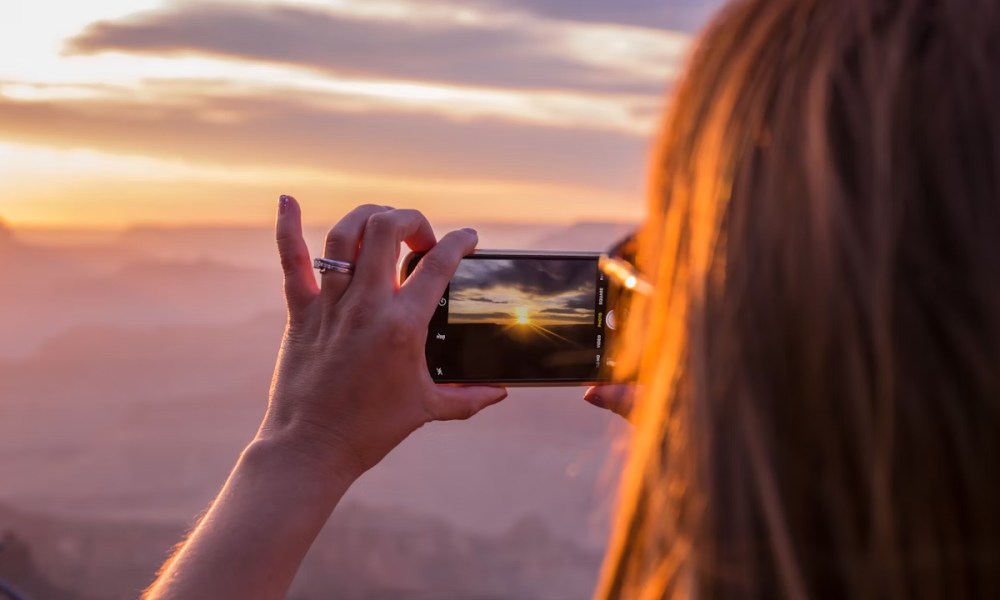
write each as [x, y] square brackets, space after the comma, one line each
[425, 287]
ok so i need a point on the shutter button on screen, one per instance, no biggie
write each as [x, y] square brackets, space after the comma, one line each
[609, 320]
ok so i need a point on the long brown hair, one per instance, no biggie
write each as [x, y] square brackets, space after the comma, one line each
[819, 413]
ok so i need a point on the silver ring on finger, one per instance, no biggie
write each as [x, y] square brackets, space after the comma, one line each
[328, 265]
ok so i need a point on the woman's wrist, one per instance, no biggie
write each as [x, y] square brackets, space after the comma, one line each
[307, 449]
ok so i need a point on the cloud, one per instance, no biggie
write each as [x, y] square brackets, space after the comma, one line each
[685, 15]
[477, 317]
[519, 109]
[274, 131]
[464, 297]
[570, 312]
[585, 300]
[521, 54]
[573, 279]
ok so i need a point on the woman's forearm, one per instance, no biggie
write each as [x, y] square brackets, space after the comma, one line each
[258, 529]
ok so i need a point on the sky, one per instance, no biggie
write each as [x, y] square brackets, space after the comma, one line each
[168, 112]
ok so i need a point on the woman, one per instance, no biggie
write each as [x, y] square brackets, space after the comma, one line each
[819, 413]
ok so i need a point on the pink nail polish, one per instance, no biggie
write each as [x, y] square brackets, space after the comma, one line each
[283, 203]
[470, 230]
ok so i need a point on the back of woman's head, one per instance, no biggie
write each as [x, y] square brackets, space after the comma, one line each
[820, 362]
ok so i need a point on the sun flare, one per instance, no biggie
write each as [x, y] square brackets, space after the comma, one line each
[521, 315]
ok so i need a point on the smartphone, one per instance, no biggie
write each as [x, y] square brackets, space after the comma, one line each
[523, 319]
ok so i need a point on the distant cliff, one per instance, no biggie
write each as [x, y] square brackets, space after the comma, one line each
[65, 559]
[19, 571]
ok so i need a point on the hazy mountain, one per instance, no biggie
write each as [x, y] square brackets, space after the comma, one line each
[160, 276]
[54, 292]
[590, 237]
[155, 418]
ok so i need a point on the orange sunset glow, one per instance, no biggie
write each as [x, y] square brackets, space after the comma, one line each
[119, 112]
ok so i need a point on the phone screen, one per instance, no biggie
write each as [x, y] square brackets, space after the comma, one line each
[521, 318]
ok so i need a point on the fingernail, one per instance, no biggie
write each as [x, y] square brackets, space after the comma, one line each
[283, 203]
[595, 400]
[470, 230]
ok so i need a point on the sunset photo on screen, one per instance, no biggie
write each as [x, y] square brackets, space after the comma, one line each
[536, 293]
[523, 318]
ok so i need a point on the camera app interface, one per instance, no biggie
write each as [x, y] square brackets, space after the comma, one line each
[519, 319]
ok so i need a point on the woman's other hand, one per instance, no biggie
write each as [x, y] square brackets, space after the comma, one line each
[617, 398]
[351, 380]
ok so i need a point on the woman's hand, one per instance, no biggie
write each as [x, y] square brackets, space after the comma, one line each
[351, 381]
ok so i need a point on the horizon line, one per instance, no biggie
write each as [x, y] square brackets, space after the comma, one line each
[15, 226]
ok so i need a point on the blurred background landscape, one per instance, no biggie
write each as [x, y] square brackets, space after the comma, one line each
[143, 145]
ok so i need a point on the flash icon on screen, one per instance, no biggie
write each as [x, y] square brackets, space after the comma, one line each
[440, 371]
